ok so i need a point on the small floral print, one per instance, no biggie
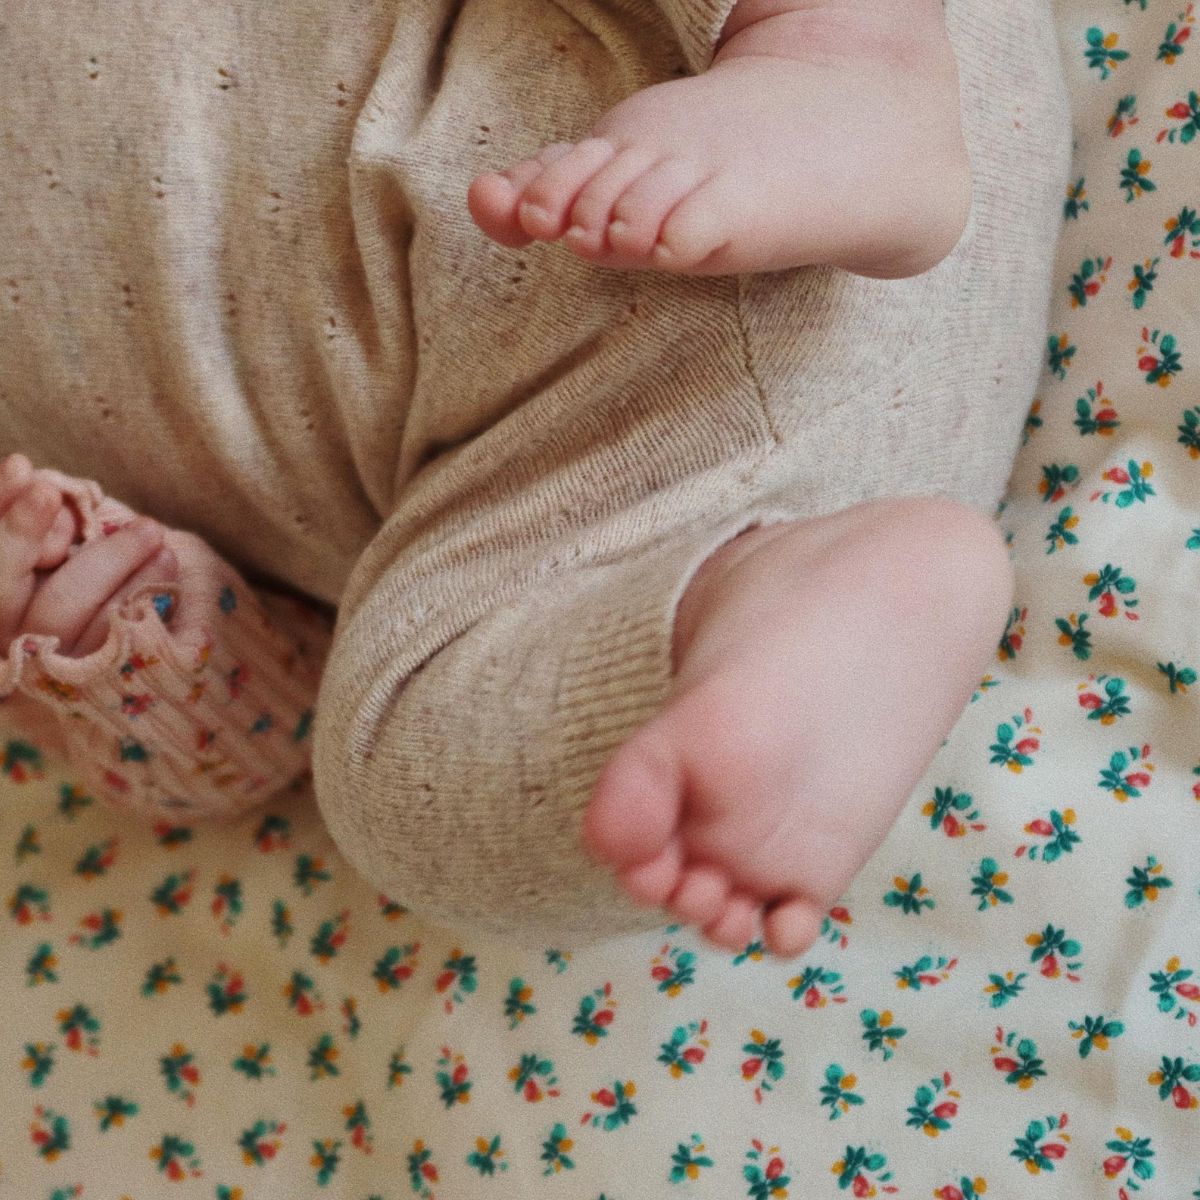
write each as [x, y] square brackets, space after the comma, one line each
[1016, 743]
[1043, 1144]
[1176, 990]
[862, 1173]
[325, 1161]
[1102, 54]
[765, 1064]
[1017, 1057]
[988, 884]
[927, 971]
[880, 1032]
[1175, 39]
[837, 1092]
[1188, 112]
[817, 986]
[1124, 116]
[554, 1151]
[533, 1078]
[1145, 276]
[617, 1101]
[1183, 233]
[688, 1160]
[1132, 1154]
[685, 1050]
[1003, 988]
[1128, 774]
[1086, 283]
[1095, 1033]
[1061, 353]
[457, 978]
[765, 1172]
[1057, 953]
[1095, 415]
[1135, 176]
[595, 1015]
[1104, 699]
[1171, 1078]
[1077, 201]
[452, 1078]
[1057, 830]
[953, 813]
[517, 1004]
[673, 969]
[487, 1158]
[1162, 367]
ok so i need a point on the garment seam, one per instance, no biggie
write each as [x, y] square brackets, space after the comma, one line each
[748, 362]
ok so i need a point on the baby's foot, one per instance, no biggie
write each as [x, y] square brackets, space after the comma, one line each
[828, 134]
[819, 666]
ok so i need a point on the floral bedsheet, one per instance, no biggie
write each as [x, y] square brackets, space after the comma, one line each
[1006, 1002]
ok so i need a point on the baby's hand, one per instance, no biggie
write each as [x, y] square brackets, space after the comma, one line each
[42, 590]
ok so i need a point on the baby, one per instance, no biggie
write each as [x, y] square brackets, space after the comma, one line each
[816, 664]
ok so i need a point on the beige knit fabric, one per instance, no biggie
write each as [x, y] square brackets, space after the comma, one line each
[239, 287]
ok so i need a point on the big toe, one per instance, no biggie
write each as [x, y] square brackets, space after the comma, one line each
[493, 198]
[634, 810]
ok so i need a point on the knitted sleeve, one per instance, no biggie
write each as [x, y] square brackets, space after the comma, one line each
[697, 25]
[200, 701]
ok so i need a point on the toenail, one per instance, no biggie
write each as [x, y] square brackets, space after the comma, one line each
[577, 233]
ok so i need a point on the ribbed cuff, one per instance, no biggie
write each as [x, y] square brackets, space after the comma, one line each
[617, 673]
[200, 701]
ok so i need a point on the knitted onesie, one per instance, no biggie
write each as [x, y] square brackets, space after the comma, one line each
[241, 290]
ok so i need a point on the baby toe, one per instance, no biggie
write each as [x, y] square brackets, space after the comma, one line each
[651, 883]
[734, 928]
[592, 210]
[791, 926]
[640, 212]
[492, 197]
[546, 201]
[696, 231]
[700, 897]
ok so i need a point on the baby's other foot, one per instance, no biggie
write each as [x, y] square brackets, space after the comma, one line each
[830, 134]
[819, 666]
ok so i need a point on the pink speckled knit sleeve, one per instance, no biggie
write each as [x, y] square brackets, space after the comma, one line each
[200, 701]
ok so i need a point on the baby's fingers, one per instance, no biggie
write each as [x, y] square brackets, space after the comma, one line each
[163, 568]
[58, 540]
[23, 525]
[70, 599]
[15, 473]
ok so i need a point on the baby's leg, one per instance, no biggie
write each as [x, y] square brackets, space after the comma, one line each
[580, 442]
